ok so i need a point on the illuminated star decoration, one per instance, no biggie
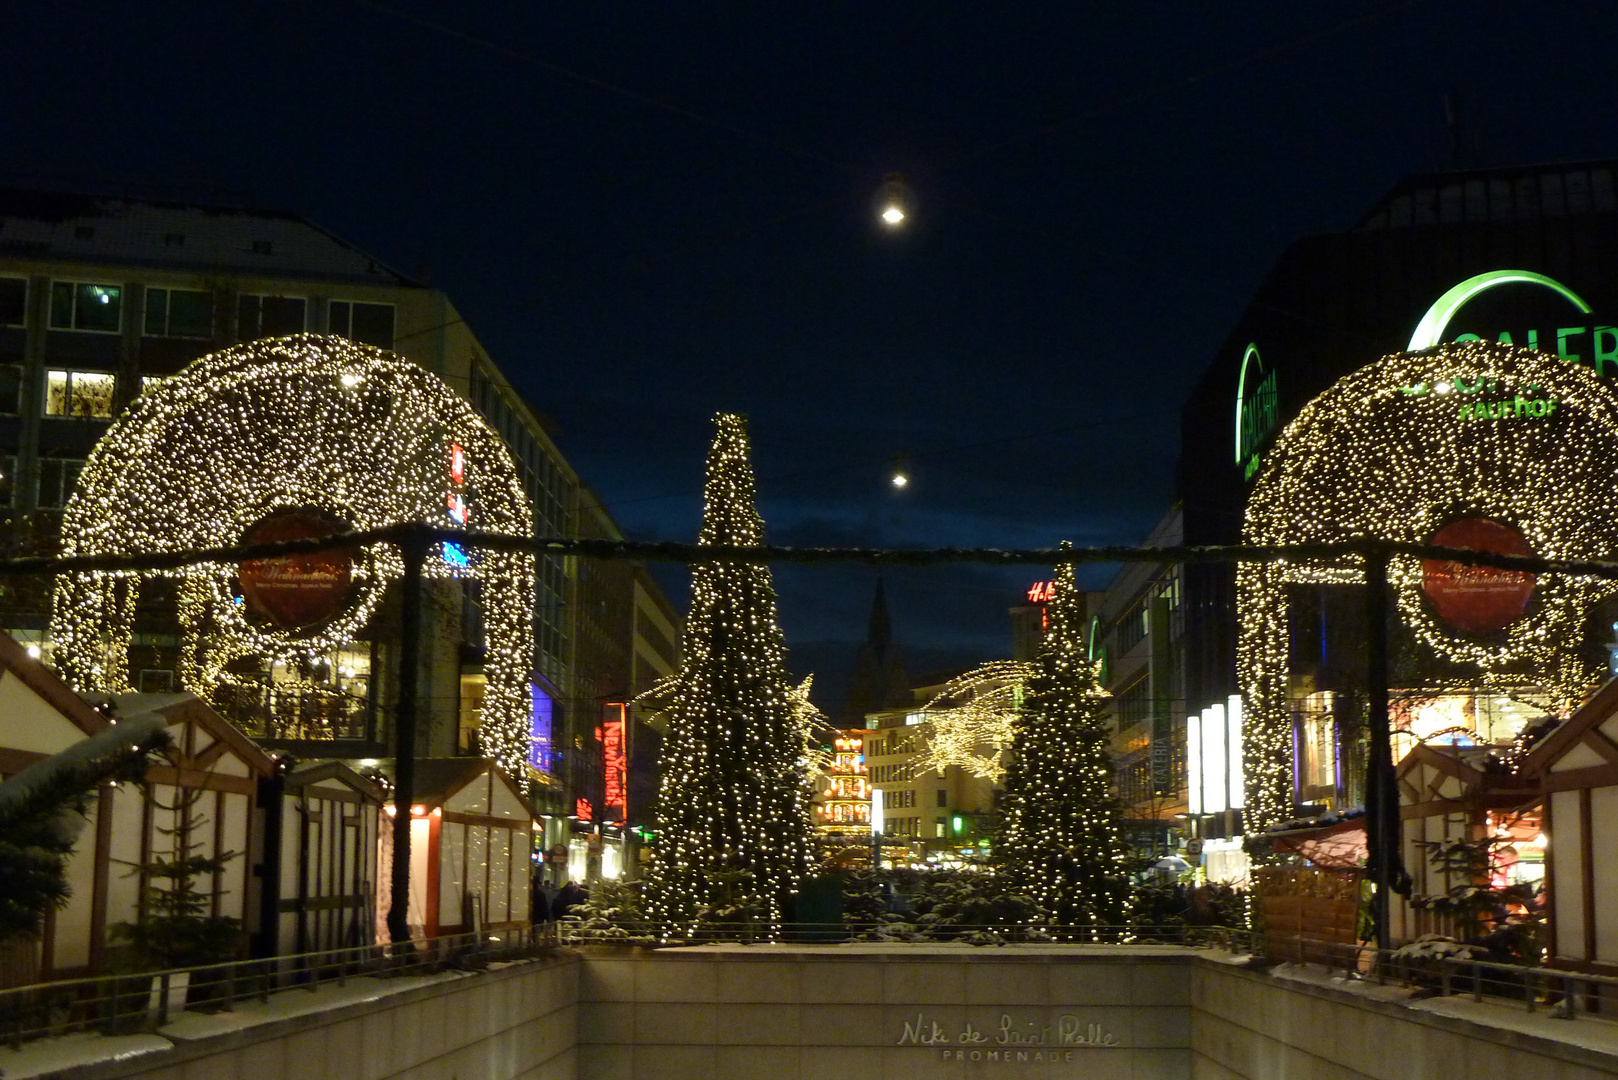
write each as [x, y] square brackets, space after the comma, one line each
[1396, 451]
[306, 421]
[975, 733]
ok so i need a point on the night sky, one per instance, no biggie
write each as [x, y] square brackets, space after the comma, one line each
[652, 212]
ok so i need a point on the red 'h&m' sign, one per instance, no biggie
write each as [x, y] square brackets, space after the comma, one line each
[1478, 599]
[1042, 592]
[614, 763]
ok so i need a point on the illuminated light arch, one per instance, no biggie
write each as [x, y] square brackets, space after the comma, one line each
[1430, 331]
[1377, 455]
[296, 423]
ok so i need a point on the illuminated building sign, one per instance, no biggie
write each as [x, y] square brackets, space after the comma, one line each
[1497, 403]
[1215, 778]
[583, 810]
[455, 503]
[1042, 592]
[543, 714]
[1258, 408]
[614, 762]
[1574, 334]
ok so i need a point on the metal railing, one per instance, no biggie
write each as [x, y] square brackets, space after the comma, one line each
[121, 1004]
[919, 931]
[1561, 993]
[1558, 992]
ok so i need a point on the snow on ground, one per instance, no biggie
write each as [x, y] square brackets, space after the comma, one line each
[66, 1051]
[1585, 1031]
[40, 1056]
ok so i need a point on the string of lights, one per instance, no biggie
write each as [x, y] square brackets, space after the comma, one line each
[1346, 552]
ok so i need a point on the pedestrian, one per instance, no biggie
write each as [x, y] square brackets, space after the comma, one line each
[569, 898]
[539, 903]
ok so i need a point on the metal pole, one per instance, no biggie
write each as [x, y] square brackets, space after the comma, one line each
[1381, 848]
[413, 549]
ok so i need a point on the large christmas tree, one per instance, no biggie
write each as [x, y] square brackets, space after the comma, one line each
[1060, 842]
[733, 830]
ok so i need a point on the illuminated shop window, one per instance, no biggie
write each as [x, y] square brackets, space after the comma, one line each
[369, 324]
[259, 316]
[1317, 742]
[83, 306]
[13, 301]
[56, 479]
[79, 394]
[179, 313]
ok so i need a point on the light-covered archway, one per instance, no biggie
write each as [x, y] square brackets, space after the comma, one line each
[270, 440]
[1493, 437]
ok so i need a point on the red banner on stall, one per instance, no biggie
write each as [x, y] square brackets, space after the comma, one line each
[1478, 599]
[295, 591]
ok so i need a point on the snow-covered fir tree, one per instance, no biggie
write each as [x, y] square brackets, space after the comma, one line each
[1060, 842]
[733, 827]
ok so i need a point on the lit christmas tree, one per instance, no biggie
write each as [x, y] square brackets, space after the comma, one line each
[1060, 843]
[733, 829]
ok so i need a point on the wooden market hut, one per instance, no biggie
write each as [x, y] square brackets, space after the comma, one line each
[1577, 768]
[471, 849]
[1450, 793]
[208, 788]
[41, 716]
[318, 874]
[208, 777]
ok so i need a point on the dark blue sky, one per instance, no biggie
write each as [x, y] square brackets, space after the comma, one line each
[651, 212]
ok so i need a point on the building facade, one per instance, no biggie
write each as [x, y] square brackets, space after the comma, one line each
[103, 297]
[1515, 255]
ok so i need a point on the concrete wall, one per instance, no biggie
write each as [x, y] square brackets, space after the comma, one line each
[852, 1013]
[1250, 1026]
[516, 1023]
[869, 1012]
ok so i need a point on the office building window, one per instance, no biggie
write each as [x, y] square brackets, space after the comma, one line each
[269, 316]
[79, 394]
[81, 306]
[369, 324]
[943, 797]
[1132, 628]
[10, 389]
[179, 313]
[1134, 705]
[13, 301]
[56, 479]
